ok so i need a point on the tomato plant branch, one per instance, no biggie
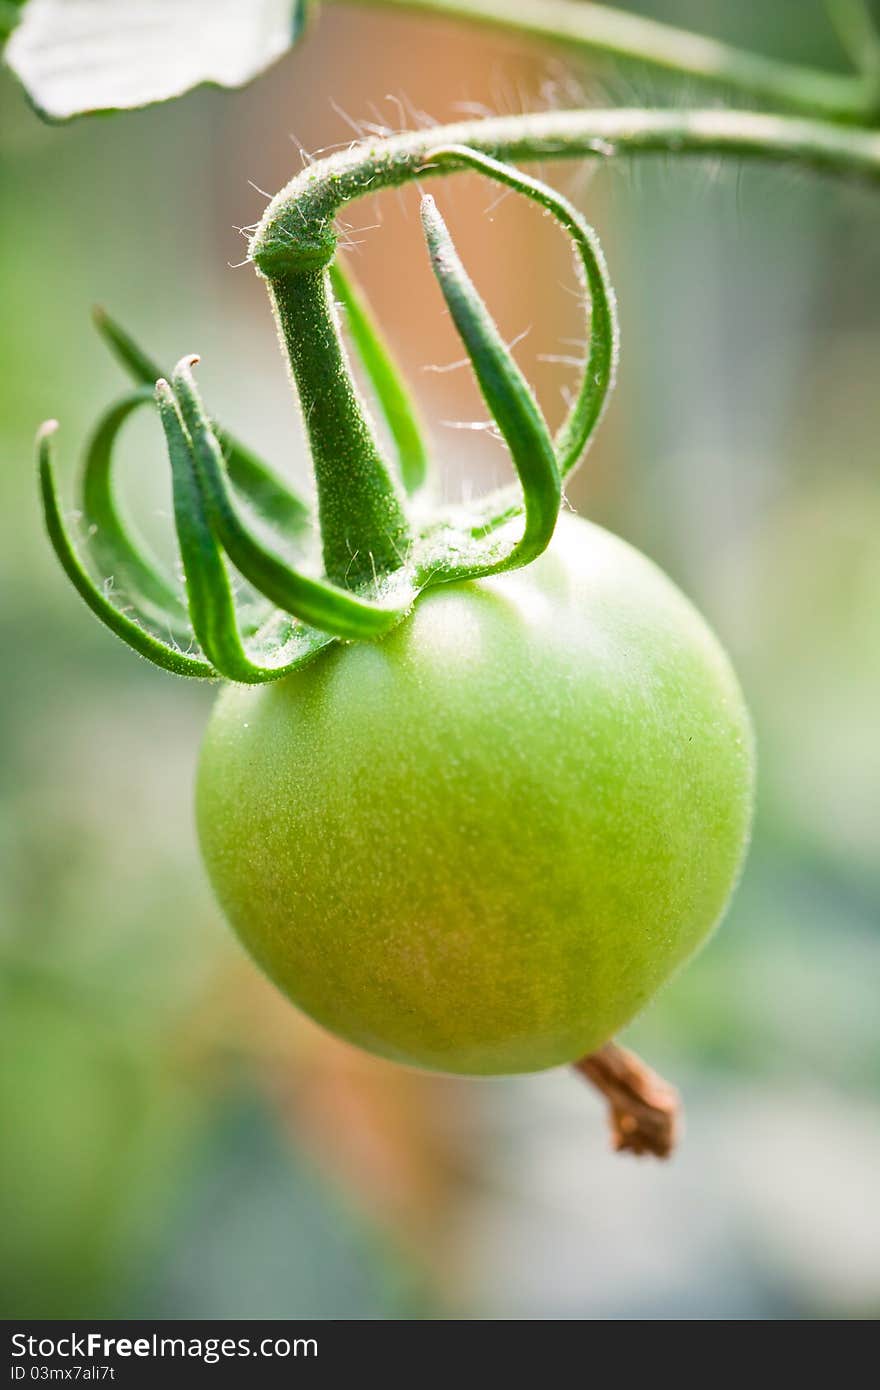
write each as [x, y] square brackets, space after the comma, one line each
[296, 231]
[585, 27]
[645, 1111]
[859, 36]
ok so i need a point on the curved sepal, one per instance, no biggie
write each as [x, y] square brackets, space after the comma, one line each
[323, 605]
[270, 498]
[387, 382]
[209, 590]
[110, 540]
[143, 642]
[507, 394]
[600, 366]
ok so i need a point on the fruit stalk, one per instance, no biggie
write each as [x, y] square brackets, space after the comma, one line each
[644, 1110]
[364, 530]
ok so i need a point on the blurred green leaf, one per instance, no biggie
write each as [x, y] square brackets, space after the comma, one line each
[256, 1232]
[92, 1131]
[76, 57]
[10, 11]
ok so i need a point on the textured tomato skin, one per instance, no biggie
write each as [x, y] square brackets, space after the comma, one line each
[482, 844]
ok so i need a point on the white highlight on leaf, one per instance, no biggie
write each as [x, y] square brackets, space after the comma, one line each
[75, 56]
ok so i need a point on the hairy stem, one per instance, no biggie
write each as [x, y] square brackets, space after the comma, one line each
[585, 27]
[296, 231]
[363, 526]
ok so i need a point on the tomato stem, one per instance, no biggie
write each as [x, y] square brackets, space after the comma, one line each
[644, 1110]
[296, 226]
[364, 530]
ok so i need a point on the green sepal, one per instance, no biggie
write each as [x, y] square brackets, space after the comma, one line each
[391, 391]
[334, 610]
[209, 590]
[270, 498]
[507, 394]
[143, 642]
[600, 367]
[109, 538]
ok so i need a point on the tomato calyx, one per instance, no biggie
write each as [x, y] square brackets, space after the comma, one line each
[269, 579]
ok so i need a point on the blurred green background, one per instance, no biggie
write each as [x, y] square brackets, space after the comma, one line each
[174, 1140]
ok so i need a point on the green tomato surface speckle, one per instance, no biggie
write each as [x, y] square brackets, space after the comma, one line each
[482, 844]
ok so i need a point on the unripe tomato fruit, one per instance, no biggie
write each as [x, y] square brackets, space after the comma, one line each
[481, 844]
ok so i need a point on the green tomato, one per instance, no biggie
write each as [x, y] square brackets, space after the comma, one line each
[481, 844]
